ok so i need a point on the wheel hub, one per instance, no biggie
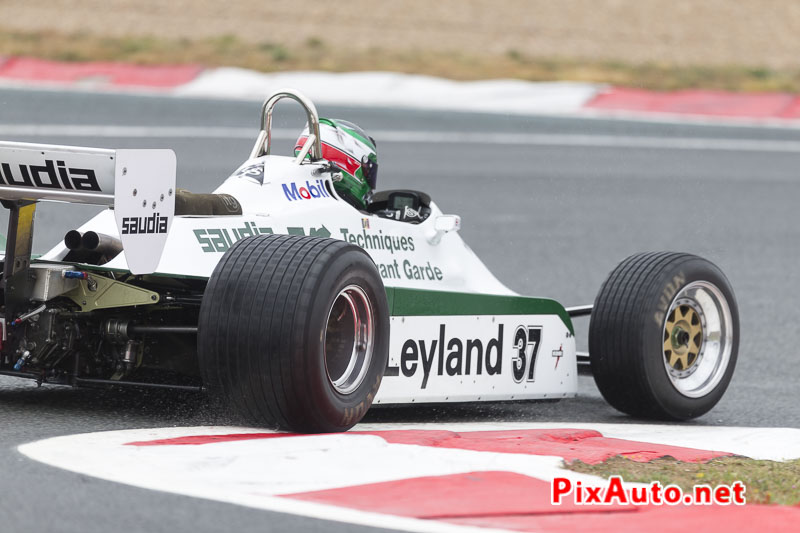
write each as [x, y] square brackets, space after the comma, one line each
[683, 337]
[349, 338]
[698, 339]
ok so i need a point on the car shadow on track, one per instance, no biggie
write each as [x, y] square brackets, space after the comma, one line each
[567, 410]
[106, 409]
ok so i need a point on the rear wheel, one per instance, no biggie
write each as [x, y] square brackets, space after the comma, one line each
[294, 332]
[664, 336]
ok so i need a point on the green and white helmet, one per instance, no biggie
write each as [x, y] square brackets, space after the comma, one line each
[354, 152]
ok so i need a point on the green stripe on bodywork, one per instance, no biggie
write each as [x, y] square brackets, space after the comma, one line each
[390, 298]
[417, 302]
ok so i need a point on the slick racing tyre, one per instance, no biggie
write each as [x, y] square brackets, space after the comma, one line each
[294, 332]
[664, 336]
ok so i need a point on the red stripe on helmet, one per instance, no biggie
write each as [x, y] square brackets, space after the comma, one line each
[347, 161]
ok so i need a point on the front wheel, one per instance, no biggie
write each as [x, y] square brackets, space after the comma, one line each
[294, 332]
[664, 336]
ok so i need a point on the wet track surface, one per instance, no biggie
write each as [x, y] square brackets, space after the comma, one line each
[549, 217]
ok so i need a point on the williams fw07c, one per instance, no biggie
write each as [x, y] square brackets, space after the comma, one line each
[298, 296]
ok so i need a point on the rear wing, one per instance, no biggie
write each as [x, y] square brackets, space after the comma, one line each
[138, 184]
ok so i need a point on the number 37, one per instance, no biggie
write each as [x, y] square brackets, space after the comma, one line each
[526, 346]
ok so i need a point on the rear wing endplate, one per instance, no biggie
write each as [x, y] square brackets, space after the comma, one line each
[138, 184]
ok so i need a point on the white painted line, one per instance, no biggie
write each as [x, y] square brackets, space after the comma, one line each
[687, 119]
[591, 141]
[415, 137]
[90, 130]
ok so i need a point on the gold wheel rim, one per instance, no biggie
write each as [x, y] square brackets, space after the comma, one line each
[683, 337]
[699, 308]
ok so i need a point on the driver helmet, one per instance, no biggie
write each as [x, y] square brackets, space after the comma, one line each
[353, 152]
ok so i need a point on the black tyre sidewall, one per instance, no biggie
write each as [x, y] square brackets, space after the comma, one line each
[654, 306]
[626, 334]
[335, 411]
[262, 327]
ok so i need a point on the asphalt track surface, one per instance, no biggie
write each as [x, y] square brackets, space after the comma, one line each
[551, 205]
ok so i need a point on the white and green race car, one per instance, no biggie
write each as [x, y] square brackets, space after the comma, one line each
[299, 310]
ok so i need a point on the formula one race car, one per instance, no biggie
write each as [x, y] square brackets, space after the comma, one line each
[299, 309]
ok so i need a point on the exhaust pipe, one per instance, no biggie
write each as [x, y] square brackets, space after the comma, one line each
[72, 240]
[100, 242]
[93, 242]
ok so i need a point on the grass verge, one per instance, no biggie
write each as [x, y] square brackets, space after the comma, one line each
[766, 481]
[316, 54]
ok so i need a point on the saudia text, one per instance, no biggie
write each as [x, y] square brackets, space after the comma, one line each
[155, 223]
[48, 177]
